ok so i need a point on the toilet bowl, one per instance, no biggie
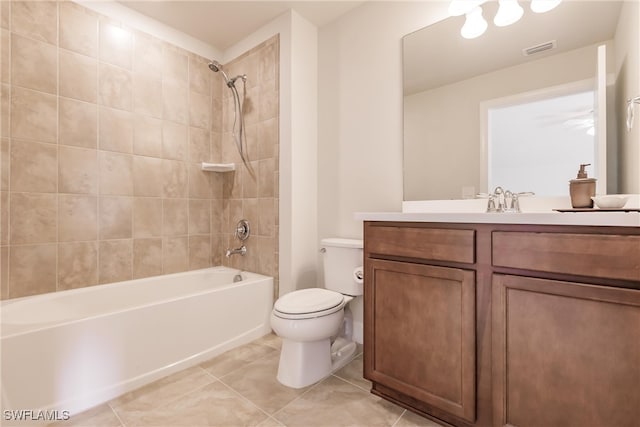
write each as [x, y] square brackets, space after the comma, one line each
[315, 333]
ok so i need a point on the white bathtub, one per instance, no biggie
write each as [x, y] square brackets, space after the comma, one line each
[71, 350]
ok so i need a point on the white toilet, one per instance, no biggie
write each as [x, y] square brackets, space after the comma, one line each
[316, 335]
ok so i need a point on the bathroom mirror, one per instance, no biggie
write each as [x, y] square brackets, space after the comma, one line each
[449, 80]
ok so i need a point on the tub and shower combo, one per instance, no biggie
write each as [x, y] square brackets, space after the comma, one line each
[71, 350]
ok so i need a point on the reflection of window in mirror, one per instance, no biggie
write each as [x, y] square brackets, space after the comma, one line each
[542, 140]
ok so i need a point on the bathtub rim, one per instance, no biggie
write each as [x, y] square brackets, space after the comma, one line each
[251, 278]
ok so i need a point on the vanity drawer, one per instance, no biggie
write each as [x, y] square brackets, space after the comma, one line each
[605, 256]
[438, 244]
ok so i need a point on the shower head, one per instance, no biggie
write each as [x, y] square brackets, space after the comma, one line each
[215, 66]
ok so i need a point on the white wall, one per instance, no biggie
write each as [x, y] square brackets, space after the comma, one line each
[360, 115]
[304, 153]
[360, 111]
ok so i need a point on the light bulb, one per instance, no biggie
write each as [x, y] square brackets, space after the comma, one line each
[508, 13]
[474, 25]
[542, 6]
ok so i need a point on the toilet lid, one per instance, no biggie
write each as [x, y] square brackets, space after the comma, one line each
[307, 301]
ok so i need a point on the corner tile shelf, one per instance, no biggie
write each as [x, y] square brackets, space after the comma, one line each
[218, 167]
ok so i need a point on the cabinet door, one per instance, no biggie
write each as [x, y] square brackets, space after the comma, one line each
[420, 333]
[564, 354]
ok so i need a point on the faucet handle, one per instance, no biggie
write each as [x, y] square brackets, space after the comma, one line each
[243, 230]
[516, 203]
[491, 204]
[510, 200]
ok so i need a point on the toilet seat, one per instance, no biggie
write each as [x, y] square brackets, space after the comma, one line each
[308, 304]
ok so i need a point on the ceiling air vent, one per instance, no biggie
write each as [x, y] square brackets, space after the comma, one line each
[539, 48]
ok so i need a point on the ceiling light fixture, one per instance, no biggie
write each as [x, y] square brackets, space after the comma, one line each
[474, 25]
[462, 7]
[542, 6]
[509, 12]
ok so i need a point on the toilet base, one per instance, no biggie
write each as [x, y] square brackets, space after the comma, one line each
[304, 363]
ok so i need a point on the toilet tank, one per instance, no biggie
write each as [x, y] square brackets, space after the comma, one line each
[341, 257]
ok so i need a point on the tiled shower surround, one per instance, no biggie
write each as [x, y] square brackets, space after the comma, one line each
[103, 132]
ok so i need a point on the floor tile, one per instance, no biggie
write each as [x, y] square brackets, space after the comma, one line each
[352, 373]
[335, 403]
[236, 358]
[212, 405]
[272, 340]
[410, 419]
[162, 392]
[257, 382]
[249, 394]
[270, 422]
[100, 416]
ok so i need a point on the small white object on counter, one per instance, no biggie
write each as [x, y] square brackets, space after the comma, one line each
[612, 201]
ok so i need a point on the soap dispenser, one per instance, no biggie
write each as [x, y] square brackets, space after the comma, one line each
[582, 189]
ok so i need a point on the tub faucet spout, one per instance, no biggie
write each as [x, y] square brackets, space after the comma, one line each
[242, 250]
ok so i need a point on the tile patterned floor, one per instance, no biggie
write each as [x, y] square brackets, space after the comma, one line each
[239, 388]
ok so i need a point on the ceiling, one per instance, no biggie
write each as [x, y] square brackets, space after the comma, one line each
[221, 24]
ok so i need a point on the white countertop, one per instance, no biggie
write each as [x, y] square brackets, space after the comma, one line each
[605, 219]
[537, 210]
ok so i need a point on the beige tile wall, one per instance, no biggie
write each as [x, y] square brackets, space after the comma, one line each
[253, 193]
[102, 132]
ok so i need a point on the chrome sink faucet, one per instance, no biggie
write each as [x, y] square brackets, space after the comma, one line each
[505, 201]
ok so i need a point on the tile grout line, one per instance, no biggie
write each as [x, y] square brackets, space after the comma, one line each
[237, 392]
[240, 367]
[298, 397]
[248, 401]
[399, 418]
[271, 416]
[352, 383]
[173, 398]
[122, 423]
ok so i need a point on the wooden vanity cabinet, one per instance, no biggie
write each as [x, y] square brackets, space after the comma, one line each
[504, 325]
[565, 354]
[422, 336]
[420, 319]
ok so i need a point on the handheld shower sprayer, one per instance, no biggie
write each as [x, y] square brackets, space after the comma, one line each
[238, 121]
